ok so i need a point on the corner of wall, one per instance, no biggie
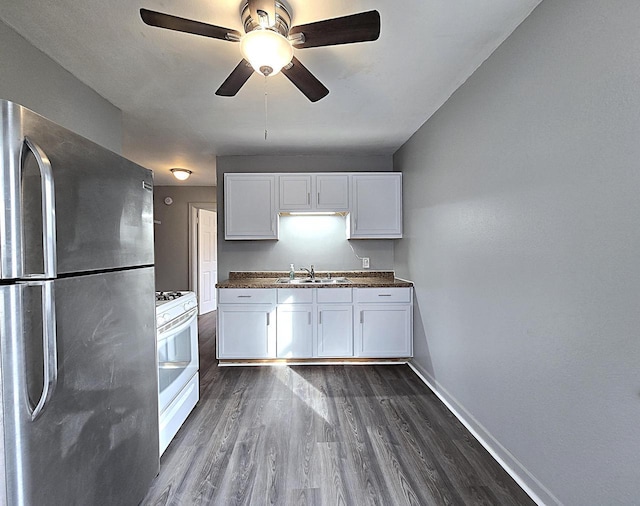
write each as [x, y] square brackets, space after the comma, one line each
[527, 481]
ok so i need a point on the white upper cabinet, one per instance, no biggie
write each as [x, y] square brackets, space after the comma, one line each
[295, 193]
[372, 199]
[324, 192]
[376, 206]
[250, 206]
[332, 192]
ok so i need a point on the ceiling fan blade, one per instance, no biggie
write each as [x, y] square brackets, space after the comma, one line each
[305, 81]
[153, 18]
[263, 12]
[236, 79]
[345, 30]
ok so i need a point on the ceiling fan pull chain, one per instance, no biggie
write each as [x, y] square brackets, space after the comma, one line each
[265, 108]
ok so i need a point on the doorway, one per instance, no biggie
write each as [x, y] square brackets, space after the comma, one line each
[203, 258]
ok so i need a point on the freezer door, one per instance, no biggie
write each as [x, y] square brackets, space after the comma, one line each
[69, 201]
[95, 438]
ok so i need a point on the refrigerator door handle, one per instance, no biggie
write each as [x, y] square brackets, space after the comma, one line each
[48, 211]
[49, 347]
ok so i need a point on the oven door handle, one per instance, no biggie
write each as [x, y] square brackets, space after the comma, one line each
[167, 330]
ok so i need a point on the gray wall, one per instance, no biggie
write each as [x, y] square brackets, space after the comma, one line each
[522, 233]
[172, 233]
[327, 249]
[32, 79]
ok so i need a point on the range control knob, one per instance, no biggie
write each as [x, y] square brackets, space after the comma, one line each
[162, 318]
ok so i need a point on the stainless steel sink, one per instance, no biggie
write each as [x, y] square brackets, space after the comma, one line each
[314, 281]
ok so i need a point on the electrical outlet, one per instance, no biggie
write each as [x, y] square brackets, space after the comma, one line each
[365, 263]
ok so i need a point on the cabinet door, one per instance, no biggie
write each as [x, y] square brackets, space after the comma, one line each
[295, 331]
[384, 331]
[250, 206]
[335, 331]
[332, 192]
[246, 331]
[376, 206]
[295, 193]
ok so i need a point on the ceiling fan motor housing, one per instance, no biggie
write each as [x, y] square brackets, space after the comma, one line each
[282, 21]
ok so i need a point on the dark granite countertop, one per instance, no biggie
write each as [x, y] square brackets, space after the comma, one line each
[359, 279]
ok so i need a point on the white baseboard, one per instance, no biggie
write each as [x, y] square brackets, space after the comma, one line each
[529, 483]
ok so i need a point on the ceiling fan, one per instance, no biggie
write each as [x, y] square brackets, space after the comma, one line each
[268, 43]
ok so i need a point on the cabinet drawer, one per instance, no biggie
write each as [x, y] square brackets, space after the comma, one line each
[384, 295]
[247, 296]
[334, 295]
[295, 295]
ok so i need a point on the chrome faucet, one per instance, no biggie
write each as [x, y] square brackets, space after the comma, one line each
[312, 273]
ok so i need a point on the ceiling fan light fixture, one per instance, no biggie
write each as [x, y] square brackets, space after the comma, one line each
[181, 174]
[266, 50]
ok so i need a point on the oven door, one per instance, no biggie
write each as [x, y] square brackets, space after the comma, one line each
[177, 355]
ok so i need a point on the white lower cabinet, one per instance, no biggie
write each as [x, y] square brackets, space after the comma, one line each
[335, 323]
[295, 331]
[299, 323]
[295, 323]
[335, 330]
[246, 324]
[383, 323]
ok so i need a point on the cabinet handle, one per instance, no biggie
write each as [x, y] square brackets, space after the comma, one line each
[320, 318]
[361, 316]
[318, 199]
[309, 198]
[309, 314]
[384, 295]
[244, 296]
[268, 319]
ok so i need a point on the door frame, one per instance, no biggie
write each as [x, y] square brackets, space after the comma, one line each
[193, 241]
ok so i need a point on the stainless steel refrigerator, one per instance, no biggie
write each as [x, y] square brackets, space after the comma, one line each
[78, 366]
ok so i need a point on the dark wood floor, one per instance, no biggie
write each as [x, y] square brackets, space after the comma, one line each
[329, 435]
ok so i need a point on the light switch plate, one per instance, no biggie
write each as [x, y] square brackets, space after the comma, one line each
[365, 262]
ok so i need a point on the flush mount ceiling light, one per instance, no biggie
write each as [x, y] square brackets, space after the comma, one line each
[267, 27]
[181, 174]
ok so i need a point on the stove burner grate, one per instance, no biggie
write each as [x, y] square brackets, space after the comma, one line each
[167, 295]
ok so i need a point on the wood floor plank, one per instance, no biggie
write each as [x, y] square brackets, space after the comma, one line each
[323, 435]
[336, 487]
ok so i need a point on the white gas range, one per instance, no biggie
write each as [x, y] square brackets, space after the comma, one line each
[177, 337]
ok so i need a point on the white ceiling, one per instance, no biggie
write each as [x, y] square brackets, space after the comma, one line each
[164, 81]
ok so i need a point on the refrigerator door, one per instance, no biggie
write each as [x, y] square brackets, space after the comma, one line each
[68, 201]
[95, 438]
